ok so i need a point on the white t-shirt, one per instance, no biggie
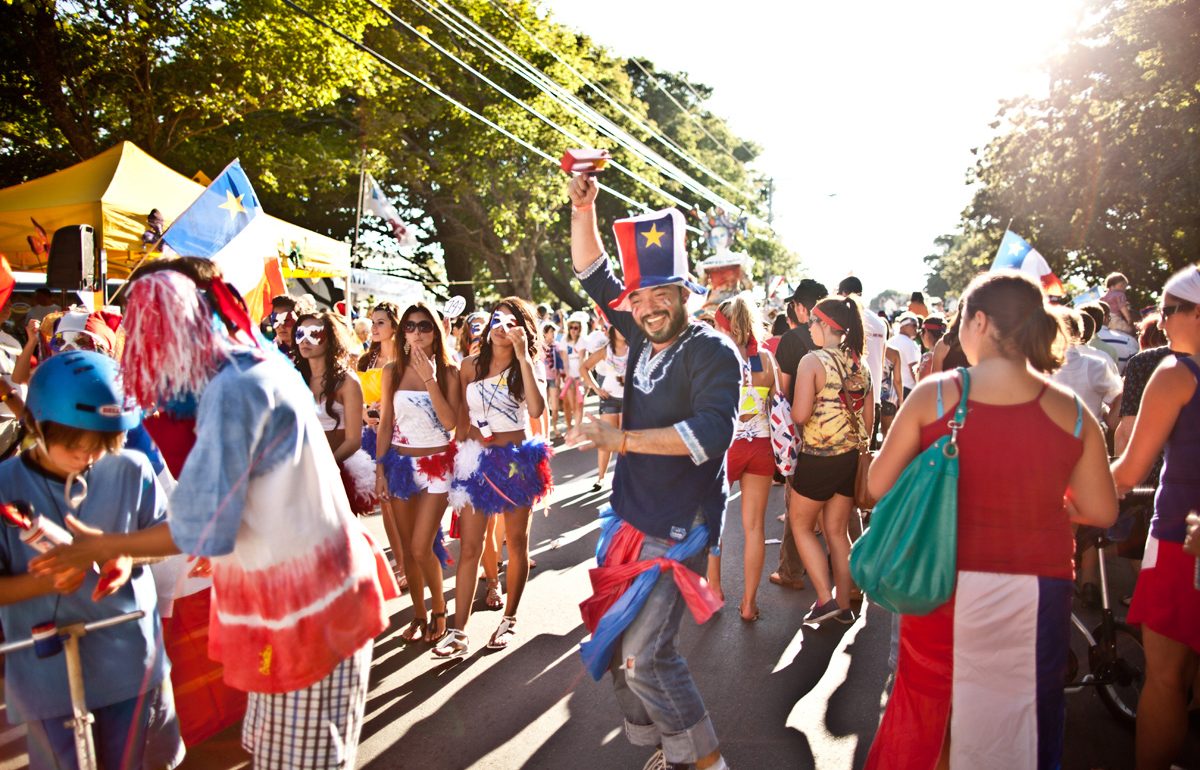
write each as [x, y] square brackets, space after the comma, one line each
[910, 356]
[875, 331]
[1125, 345]
[9, 350]
[594, 341]
[1092, 375]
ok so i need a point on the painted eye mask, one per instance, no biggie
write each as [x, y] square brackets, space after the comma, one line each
[502, 320]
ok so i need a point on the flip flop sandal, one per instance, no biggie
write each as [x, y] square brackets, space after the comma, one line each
[750, 619]
[415, 630]
[504, 633]
[431, 632]
[453, 644]
[494, 599]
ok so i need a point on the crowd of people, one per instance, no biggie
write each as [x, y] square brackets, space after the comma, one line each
[180, 443]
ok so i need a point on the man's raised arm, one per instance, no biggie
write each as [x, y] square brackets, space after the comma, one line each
[586, 247]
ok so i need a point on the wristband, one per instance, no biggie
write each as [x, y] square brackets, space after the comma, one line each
[581, 208]
[624, 443]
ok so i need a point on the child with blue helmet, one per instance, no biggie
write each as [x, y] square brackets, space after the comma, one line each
[78, 476]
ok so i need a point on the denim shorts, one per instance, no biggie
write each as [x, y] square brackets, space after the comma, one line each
[611, 405]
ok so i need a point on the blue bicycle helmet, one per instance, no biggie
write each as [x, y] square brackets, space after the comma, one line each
[79, 389]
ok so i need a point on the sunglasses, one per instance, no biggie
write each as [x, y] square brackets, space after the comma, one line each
[65, 341]
[1166, 311]
[313, 334]
[425, 327]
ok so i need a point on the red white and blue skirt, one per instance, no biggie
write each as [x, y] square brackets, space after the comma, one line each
[991, 664]
[494, 479]
[407, 475]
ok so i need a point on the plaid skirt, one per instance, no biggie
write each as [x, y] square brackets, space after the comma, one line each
[316, 728]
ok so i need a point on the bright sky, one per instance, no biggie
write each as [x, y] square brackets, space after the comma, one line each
[867, 112]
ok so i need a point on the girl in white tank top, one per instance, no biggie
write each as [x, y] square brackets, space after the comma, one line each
[420, 404]
[500, 468]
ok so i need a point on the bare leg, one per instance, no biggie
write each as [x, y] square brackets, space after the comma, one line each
[802, 514]
[1162, 709]
[393, 536]
[603, 456]
[472, 527]
[755, 490]
[517, 524]
[714, 575]
[405, 513]
[428, 515]
[837, 535]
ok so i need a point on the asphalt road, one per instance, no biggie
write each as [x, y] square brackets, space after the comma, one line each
[781, 695]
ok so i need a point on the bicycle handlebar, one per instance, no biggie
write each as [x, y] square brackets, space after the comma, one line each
[95, 625]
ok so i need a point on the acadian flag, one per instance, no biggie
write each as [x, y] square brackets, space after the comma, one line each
[1016, 253]
[224, 225]
[374, 201]
[652, 251]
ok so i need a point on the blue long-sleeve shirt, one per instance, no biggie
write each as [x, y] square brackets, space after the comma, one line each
[691, 386]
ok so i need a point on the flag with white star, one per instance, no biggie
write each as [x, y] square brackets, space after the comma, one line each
[218, 216]
[652, 251]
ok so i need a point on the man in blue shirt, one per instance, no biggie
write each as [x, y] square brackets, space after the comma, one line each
[681, 393]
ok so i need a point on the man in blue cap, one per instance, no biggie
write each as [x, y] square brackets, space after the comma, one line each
[681, 395]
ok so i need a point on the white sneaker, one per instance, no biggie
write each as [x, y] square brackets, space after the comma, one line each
[657, 761]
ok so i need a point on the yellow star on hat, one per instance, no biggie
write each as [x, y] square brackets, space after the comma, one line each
[654, 236]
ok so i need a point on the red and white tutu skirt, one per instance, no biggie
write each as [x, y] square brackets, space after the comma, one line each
[358, 476]
[1166, 600]
[991, 663]
[494, 479]
[407, 475]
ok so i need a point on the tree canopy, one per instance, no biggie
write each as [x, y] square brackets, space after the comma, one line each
[274, 83]
[1102, 173]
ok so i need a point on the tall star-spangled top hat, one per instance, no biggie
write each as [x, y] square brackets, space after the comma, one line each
[652, 254]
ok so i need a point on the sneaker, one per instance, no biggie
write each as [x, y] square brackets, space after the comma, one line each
[657, 761]
[824, 612]
[846, 617]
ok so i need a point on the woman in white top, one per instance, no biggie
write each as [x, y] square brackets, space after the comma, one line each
[325, 356]
[385, 341]
[500, 467]
[421, 397]
[604, 372]
[572, 350]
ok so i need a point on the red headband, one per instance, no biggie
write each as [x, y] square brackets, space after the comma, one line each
[832, 324]
[724, 324]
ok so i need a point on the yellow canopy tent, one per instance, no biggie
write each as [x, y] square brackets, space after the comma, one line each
[113, 192]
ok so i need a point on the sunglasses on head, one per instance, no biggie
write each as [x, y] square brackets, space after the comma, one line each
[65, 341]
[313, 334]
[1166, 311]
[425, 327]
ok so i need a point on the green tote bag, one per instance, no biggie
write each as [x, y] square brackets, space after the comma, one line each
[907, 559]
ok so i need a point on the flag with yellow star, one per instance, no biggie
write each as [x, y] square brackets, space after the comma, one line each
[218, 216]
[652, 251]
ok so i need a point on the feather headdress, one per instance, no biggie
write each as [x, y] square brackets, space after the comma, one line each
[172, 348]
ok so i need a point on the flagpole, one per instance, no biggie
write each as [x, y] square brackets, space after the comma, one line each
[362, 180]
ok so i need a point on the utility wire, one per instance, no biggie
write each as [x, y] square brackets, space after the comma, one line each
[504, 56]
[633, 117]
[436, 91]
[548, 121]
[684, 110]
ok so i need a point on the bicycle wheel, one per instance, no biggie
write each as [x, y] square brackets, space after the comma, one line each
[1122, 682]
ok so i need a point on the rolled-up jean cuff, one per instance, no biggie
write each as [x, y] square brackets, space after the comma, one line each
[642, 735]
[697, 741]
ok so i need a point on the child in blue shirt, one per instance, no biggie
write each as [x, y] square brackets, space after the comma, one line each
[79, 416]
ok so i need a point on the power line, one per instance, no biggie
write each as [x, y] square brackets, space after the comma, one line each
[438, 92]
[637, 121]
[657, 82]
[532, 111]
[504, 56]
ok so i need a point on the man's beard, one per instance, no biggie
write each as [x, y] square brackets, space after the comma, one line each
[676, 321]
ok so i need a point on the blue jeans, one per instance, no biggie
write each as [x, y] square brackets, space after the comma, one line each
[654, 688]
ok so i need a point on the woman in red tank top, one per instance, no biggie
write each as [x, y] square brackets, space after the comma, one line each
[979, 682]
